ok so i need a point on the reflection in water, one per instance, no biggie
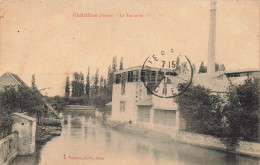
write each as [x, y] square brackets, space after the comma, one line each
[108, 138]
[87, 138]
[142, 148]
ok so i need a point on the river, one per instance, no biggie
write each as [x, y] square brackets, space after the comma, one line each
[85, 140]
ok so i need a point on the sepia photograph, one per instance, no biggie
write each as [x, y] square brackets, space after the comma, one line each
[129, 82]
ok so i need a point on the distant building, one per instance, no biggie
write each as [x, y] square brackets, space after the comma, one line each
[10, 79]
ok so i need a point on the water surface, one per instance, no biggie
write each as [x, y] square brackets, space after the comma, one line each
[85, 140]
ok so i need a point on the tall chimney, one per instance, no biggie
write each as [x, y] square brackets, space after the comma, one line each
[212, 38]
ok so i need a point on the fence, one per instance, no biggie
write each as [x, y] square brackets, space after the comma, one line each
[8, 148]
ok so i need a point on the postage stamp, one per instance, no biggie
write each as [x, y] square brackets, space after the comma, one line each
[164, 72]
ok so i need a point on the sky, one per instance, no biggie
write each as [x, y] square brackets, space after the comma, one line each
[43, 37]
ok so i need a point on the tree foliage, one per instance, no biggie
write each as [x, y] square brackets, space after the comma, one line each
[67, 87]
[121, 66]
[242, 110]
[203, 68]
[88, 84]
[201, 110]
[77, 85]
[22, 99]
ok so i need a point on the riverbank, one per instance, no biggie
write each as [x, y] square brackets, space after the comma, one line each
[46, 133]
[48, 129]
[244, 148]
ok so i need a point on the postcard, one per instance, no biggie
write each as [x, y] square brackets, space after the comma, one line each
[129, 82]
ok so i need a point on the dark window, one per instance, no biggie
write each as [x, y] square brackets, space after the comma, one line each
[153, 76]
[142, 75]
[118, 78]
[130, 76]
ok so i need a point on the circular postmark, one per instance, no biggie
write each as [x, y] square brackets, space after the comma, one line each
[164, 72]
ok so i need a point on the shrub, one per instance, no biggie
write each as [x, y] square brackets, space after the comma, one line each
[201, 110]
[242, 110]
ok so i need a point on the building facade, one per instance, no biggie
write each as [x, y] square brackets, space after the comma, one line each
[133, 103]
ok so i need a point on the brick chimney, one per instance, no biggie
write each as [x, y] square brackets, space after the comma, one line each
[212, 38]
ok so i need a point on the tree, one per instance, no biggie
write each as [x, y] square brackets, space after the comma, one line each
[75, 85]
[33, 82]
[184, 68]
[114, 64]
[178, 66]
[101, 88]
[203, 68]
[96, 81]
[22, 99]
[81, 85]
[194, 68]
[67, 87]
[242, 110]
[216, 67]
[121, 67]
[201, 110]
[88, 84]
[222, 67]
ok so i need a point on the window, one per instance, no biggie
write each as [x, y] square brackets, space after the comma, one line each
[135, 75]
[122, 106]
[142, 75]
[130, 76]
[144, 113]
[165, 117]
[147, 75]
[118, 78]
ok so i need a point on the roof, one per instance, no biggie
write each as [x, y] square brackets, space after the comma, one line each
[243, 70]
[24, 116]
[209, 81]
[140, 68]
[9, 79]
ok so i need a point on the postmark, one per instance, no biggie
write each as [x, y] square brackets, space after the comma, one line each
[163, 72]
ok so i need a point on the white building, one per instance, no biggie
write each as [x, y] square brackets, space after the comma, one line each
[131, 102]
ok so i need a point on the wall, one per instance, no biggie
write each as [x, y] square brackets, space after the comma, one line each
[8, 148]
[130, 112]
[244, 147]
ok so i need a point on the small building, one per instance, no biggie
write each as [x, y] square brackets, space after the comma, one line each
[25, 126]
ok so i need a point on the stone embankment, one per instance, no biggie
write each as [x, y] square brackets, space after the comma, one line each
[48, 129]
[243, 148]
